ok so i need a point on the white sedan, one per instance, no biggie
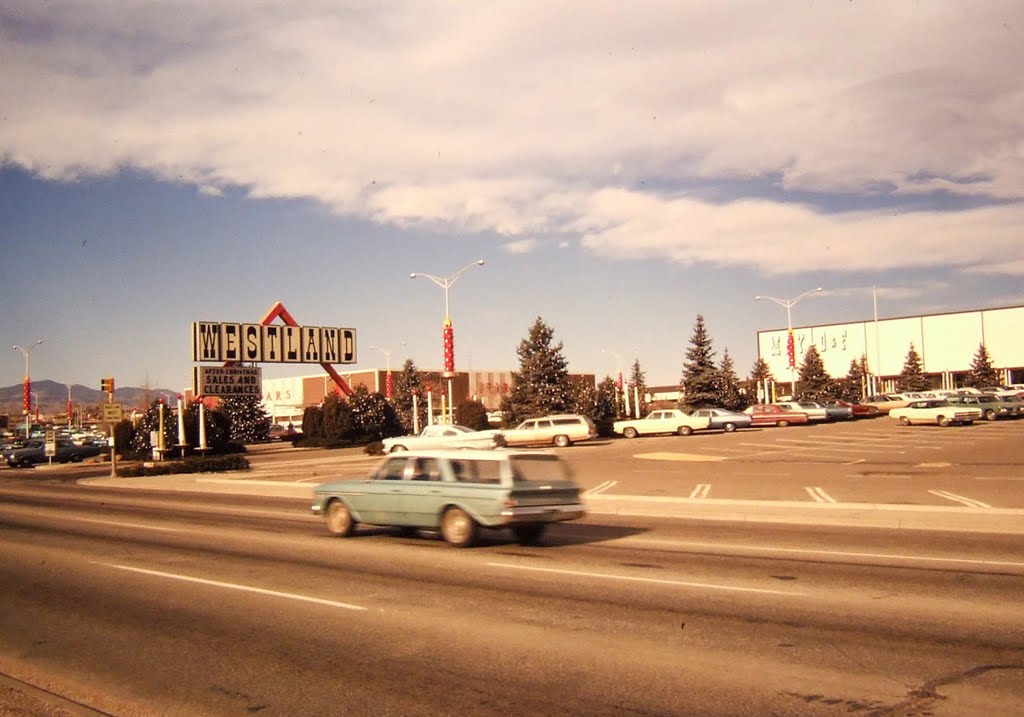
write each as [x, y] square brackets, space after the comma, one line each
[667, 421]
[441, 435]
[935, 411]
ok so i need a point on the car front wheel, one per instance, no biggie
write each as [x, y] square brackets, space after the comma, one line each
[398, 449]
[904, 421]
[562, 441]
[943, 421]
[684, 430]
[782, 424]
[458, 528]
[339, 519]
[629, 433]
[729, 427]
[990, 415]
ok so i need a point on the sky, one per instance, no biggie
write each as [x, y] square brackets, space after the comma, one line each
[620, 168]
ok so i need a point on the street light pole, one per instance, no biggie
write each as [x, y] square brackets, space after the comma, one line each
[790, 347]
[448, 333]
[389, 385]
[25, 351]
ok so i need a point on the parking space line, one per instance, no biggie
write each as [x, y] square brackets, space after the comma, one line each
[602, 487]
[969, 502]
[819, 494]
[701, 491]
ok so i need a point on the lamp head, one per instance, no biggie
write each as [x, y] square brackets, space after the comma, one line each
[757, 298]
[412, 275]
[480, 262]
[818, 289]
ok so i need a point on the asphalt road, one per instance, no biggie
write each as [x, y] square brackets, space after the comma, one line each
[163, 603]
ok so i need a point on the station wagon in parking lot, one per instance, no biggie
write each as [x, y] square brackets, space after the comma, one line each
[457, 492]
[559, 430]
[935, 411]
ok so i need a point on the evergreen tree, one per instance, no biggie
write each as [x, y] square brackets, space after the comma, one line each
[140, 446]
[729, 394]
[472, 414]
[912, 377]
[982, 374]
[542, 384]
[814, 382]
[851, 387]
[637, 380]
[698, 385]
[758, 374]
[373, 416]
[249, 421]
[408, 382]
[603, 410]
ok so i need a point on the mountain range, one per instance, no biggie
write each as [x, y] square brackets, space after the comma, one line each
[52, 397]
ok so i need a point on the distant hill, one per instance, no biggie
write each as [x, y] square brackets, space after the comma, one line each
[53, 397]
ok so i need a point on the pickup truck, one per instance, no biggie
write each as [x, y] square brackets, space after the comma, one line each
[666, 421]
[34, 452]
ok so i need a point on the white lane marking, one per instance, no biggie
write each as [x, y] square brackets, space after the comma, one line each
[829, 553]
[969, 502]
[853, 463]
[701, 491]
[602, 487]
[819, 494]
[234, 586]
[128, 525]
[658, 581]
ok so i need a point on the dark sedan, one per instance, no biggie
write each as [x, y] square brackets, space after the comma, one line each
[34, 452]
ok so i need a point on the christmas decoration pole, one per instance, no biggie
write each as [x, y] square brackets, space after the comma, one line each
[202, 426]
[181, 426]
[415, 415]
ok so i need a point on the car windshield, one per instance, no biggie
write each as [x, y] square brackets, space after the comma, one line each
[538, 468]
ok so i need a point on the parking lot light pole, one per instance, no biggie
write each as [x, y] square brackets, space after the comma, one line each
[448, 333]
[790, 346]
[25, 351]
[389, 384]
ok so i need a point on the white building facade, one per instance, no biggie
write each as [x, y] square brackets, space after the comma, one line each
[947, 344]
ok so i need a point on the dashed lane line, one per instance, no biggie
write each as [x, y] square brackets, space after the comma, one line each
[819, 495]
[701, 491]
[969, 502]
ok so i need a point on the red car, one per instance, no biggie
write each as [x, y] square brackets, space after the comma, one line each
[768, 414]
[859, 410]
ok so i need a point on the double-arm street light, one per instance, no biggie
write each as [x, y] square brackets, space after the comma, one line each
[790, 345]
[448, 334]
[25, 351]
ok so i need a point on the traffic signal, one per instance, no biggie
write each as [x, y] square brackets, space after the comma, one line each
[107, 385]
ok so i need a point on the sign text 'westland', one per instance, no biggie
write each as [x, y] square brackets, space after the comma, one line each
[260, 343]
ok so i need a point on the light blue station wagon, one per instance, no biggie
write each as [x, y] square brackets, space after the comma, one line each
[457, 492]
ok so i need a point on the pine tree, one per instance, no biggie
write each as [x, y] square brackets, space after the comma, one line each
[603, 411]
[982, 374]
[912, 377]
[373, 416]
[698, 385]
[408, 382]
[249, 420]
[814, 382]
[729, 394]
[542, 384]
[637, 381]
[851, 387]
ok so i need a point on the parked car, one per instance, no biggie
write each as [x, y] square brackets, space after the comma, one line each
[724, 419]
[992, 407]
[456, 492]
[856, 410]
[560, 430]
[34, 451]
[886, 402]
[814, 411]
[670, 420]
[441, 435]
[935, 411]
[770, 414]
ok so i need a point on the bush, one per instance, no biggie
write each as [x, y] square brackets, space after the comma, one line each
[472, 414]
[199, 464]
[375, 448]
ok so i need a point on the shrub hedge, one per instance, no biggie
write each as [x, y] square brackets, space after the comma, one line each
[198, 464]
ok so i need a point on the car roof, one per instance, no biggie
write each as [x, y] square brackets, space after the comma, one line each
[469, 453]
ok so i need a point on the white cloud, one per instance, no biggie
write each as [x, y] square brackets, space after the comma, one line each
[1010, 268]
[523, 246]
[559, 118]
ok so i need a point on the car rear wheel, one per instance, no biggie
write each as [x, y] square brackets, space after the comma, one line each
[629, 432]
[562, 441]
[458, 528]
[942, 421]
[76, 458]
[684, 430]
[528, 534]
[904, 421]
[339, 519]
[782, 424]
[729, 427]
[990, 415]
[398, 449]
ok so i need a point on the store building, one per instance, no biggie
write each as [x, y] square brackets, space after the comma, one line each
[947, 344]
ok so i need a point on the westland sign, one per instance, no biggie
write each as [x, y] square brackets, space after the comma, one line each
[263, 343]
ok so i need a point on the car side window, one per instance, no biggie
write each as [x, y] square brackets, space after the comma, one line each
[565, 421]
[392, 469]
[427, 469]
[477, 471]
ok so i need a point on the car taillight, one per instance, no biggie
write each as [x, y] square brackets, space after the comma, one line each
[511, 503]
